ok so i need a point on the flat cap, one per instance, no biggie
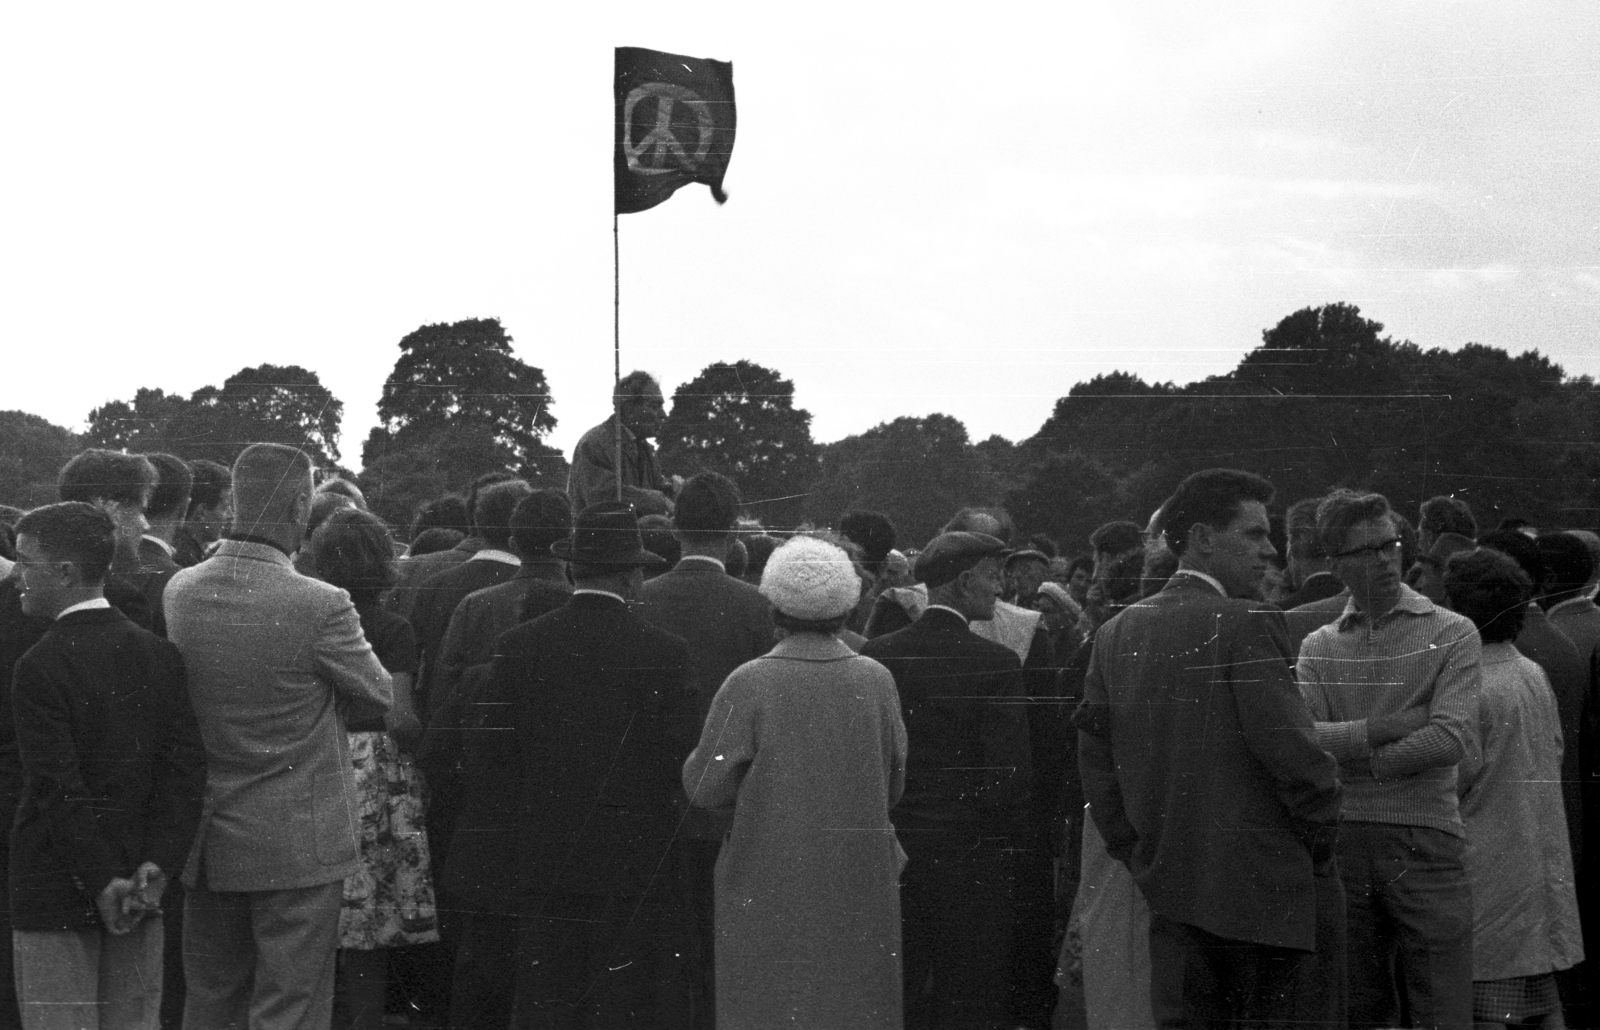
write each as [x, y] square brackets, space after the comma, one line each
[951, 554]
[1026, 554]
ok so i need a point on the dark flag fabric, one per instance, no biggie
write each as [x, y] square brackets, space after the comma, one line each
[675, 121]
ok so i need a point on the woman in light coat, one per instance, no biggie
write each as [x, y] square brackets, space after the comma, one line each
[807, 748]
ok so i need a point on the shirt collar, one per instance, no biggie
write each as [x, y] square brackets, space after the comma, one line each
[602, 593]
[1411, 602]
[494, 554]
[84, 606]
[251, 538]
[1571, 602]
[945, 608]
[703, 558]
[161, 544]
[1216, 584]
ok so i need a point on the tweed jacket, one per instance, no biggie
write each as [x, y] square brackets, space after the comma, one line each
[113, 766]
[1201, 767]
[277, 662]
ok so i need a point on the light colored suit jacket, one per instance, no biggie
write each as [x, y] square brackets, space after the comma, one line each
[277, 661]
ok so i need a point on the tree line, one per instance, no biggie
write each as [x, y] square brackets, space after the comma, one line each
[1326, 399]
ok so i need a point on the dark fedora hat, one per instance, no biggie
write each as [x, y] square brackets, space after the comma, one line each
[606, 533]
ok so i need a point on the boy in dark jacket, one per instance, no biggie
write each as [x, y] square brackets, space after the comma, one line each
[113, 772]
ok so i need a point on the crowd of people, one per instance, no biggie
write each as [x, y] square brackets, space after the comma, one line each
[617, 756]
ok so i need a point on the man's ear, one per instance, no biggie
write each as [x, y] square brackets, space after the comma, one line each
[1202, 539]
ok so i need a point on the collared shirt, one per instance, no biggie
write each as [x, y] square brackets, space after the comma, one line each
[602, 593]
[1359, 667]
[705, 558]
[1216, 584]
[493, 554]
[947, 608]
[84, 606]
[161, 544]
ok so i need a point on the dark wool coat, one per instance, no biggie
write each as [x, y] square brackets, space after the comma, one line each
[807, 746]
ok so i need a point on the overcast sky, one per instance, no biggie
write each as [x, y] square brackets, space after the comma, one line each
[965, 214]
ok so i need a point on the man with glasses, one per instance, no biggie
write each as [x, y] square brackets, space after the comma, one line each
[1393, 683]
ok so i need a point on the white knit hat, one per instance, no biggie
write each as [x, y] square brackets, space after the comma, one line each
[811, 579]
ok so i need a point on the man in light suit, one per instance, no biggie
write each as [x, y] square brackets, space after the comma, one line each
[1203, 774]
[277, 662]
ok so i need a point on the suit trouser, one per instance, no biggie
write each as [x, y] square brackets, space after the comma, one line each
[1410, 925]
[957, 921]
[89, 979]
[485, 970]
[260, 959]
[1198, 979]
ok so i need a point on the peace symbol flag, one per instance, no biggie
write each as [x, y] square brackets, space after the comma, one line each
[675, 121]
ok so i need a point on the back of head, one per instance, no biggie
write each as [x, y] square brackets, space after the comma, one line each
[491, 517]
[76, 532]
[1491, 589]
[1443, 514]
[269, 480]
[656, 533]
[352, 550]
[479, 485]
[737, 559]
[324, 505]
[758, 548]
[1343, 510]
[342, 486]
[174, 484]
[995, 522]
[1568, 565]
[707, 507]
[1117, 538]
[539, 520]
[1044, 545]
[211, 484]
[873, 532]
[1590, 540]
[434, 540]
[1520, 548]
[1300, 524]
[101, 475]
[1212, 497]
[447, 512]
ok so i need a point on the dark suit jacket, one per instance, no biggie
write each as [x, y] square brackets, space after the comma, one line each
[1201, 767]
[113, 766]
[410, 572]
[481, 616]
[573, 789]
[435, 603]
[1319, 586]
[725, 621]
[962, 700]
[156, 568]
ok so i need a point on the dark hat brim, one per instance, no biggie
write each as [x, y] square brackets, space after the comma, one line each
[563, 549]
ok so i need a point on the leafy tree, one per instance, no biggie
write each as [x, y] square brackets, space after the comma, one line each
[32, 452]
[263, 404]
[397, 479]
[453, 375]
[918, 471]
[739, 419]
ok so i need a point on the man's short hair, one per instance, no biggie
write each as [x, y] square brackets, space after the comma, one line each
[174, 483]
[634, 385]
[343, 486]
[1300, 523]
[873, 532]
[101, 475]
[539, 520]
[995, 522]
[434, 539]
[758, 548]
[323, 505]
[1082, 561]
[492, 514]
[267, 479]
[479, 485]
[1117, 538]
[447, 512]
[1443, 514]
[76, 532]
[211, 483]
[1520, 548]
[655, 532]
[737, 559]
[1342, 511]
[707, 506]
[1568, 564]
[1490, 588]
[1212, 496]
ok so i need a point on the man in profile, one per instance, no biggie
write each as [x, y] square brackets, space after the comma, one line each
[1203, 773]
[277, 662]
[594, 461]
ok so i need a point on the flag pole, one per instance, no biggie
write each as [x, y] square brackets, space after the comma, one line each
[616, 345]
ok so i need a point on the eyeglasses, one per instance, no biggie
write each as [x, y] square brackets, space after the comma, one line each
[1387, 549]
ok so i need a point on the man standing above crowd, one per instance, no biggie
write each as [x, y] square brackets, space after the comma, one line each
[1204, 777]
[1393, 683]
[277, 662]
[594, 461]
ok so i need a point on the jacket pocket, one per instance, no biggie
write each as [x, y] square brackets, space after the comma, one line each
[333, 823]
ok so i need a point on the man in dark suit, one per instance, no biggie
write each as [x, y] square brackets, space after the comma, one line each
[210, 509]
[168, 503]
[1310, 569]
[490, 565]
[111, 796]
[1203, 774]
[966, 795]
[410, 573]
[725, 623]
[594, 701]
